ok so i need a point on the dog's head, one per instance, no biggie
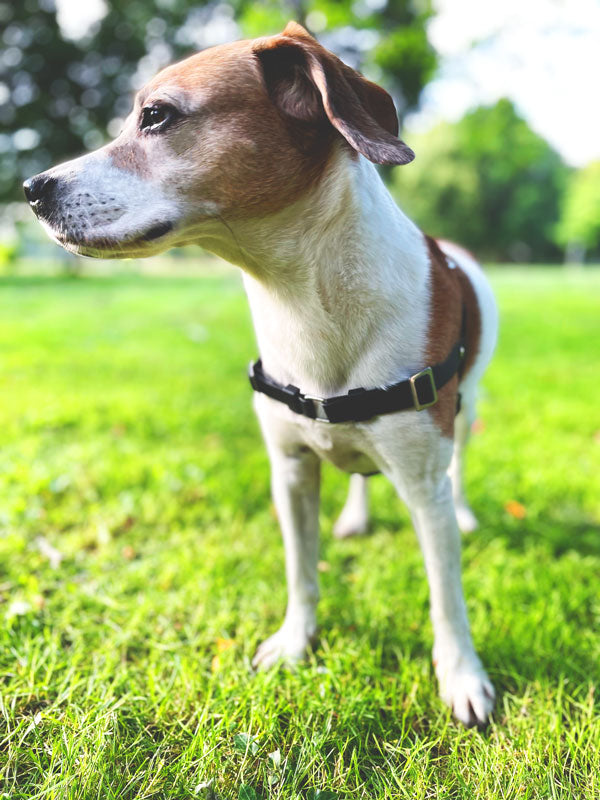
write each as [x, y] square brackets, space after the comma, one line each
[237, 131]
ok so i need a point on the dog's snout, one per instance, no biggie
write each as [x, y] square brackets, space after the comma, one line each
[39, 188]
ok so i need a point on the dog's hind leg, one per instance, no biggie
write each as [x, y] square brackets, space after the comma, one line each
[295, 479]
[467, 521]
[354, 519]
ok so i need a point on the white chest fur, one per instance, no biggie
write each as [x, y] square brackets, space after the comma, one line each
[351, 306]
[350, 309]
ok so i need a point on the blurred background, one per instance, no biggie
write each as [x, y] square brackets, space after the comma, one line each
[496, 99]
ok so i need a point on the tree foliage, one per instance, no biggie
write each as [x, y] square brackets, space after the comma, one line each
[580, 218]
[488, 182]
[60, 96]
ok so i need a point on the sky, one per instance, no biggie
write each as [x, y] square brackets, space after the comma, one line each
[542, 54]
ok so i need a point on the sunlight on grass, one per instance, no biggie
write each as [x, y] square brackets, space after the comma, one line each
[141, 564]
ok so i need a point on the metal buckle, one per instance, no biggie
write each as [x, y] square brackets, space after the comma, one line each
[320, 414]
[413, 388]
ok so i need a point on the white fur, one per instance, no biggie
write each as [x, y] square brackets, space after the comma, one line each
[371, 333]
[340, 291]
[354, 519]
[339, 287]
[101, 201]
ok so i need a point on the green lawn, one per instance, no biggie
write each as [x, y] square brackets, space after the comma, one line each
[140, 564]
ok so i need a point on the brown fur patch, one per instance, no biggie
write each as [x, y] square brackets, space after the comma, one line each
[130, 157]
[309, 80]
[234, 147]
[451, 289]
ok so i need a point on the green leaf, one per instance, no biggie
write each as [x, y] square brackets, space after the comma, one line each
[247, 793]
[245, 743]
[321, 794]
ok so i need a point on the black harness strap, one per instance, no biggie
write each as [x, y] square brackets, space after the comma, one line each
[417, 392]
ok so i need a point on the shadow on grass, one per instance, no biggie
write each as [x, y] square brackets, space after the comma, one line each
[561, 533]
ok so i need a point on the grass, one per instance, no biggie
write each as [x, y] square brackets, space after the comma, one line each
[140, 564]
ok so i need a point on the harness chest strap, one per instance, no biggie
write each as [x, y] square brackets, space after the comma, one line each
[417, 392]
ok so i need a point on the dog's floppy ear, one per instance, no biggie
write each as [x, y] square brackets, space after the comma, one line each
[306, 82]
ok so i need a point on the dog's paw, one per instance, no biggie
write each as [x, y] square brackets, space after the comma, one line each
[350, 525]
[468, 691]
[287, 646]
[467, 521]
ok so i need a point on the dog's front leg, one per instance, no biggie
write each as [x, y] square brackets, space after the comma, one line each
[295, 479]
[464, 684]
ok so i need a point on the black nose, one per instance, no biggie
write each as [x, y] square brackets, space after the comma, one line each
[40, 187]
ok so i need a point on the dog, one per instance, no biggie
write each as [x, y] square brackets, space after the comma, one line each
[370, 333]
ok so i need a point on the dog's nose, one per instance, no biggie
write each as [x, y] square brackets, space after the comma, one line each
[40, 187]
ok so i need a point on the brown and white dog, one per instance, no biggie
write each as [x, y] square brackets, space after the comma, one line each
[261, 152]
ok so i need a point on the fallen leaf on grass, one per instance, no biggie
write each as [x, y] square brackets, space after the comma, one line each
[245, 743]
[127, 523]
[34, 723]
[53, 555]
[17, 608]
[323, 566]
[39, 601]
[248, 793]
[205, 786]
[515, 509]
[477, 426]
[222, 646]
[128, 552]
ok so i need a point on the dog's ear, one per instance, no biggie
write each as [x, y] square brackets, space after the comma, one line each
[306, 82]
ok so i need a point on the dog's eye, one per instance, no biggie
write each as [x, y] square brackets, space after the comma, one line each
[156, 117]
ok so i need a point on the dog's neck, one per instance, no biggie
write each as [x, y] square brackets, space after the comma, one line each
[338, 284]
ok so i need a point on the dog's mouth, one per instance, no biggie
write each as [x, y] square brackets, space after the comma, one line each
[157, 231]
[110, 246]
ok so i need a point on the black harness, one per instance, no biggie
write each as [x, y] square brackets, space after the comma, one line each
[417, 392]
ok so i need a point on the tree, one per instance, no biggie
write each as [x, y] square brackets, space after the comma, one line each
[489, 182]
[60, 96]
[579, 226]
